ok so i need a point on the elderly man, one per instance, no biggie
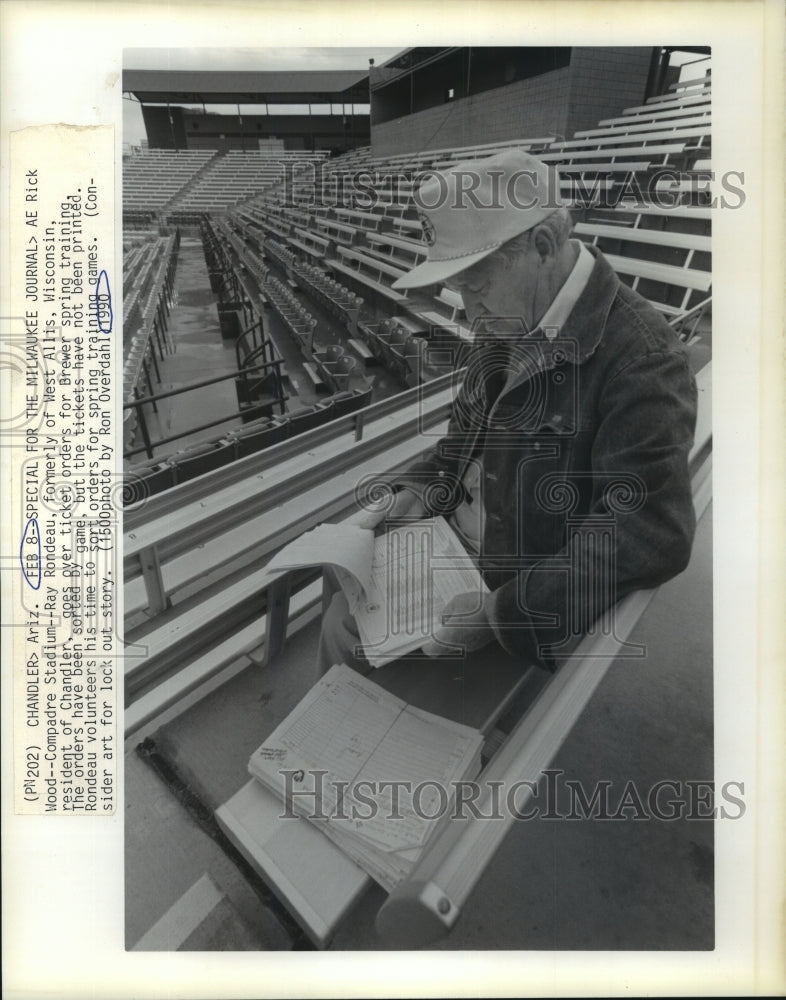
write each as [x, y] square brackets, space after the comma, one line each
[565, 465]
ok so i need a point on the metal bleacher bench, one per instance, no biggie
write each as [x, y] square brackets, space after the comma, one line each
[368, 270]
[363, 220]
[650, 113]
[337, 230]
[644, 135]
[451, 309]
[684, 278]
[314, 245]
[584, 157]
[392, 246]
[620, 128]
[670, 102]
[320, 885]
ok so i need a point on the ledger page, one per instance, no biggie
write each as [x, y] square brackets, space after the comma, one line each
[417, 570]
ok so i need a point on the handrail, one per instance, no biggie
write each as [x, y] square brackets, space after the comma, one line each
[149, 446]
[195, 385]
[163, 504]
[241, 339]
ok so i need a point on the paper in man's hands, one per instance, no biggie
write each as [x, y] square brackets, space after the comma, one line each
[396, 585]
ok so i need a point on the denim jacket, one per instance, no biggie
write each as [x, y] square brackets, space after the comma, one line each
[584, 461]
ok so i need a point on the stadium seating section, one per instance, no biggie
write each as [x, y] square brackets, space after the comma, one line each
[294, 229]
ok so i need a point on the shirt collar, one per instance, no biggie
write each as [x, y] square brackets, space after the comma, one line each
[586, 298]
[586, 322]
[556, 316]
[585, 301]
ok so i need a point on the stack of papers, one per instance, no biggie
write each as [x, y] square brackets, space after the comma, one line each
[376, 775]
[397, 585]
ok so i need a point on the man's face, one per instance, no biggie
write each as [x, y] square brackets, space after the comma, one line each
[501, 288]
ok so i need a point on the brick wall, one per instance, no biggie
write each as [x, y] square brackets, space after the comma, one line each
[604, 81]
[535, 107]
[599, 83]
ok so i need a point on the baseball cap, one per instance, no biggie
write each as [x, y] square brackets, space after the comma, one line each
[469, 210]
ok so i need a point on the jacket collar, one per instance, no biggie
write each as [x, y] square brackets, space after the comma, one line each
[576, 342]
[581, 332]
[583, 329]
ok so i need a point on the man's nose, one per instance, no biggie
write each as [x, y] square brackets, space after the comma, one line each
[473, 305]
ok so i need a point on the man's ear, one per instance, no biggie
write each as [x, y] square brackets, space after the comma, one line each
[544, 243]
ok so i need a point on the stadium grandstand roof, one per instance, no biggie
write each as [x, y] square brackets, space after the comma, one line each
[247, 86]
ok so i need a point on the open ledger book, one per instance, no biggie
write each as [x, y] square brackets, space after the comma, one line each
[397, 584]
[376, 775]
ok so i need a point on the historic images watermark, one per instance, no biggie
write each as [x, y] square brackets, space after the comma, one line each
[550, 796]
[664, 188]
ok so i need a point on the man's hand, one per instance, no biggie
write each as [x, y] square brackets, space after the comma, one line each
[473, 633]
[405, 504]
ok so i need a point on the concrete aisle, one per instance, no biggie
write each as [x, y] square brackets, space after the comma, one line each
[199, 353]
[157, 879]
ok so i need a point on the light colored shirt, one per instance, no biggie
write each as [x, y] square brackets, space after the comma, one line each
[566, 298]
[468, 519]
